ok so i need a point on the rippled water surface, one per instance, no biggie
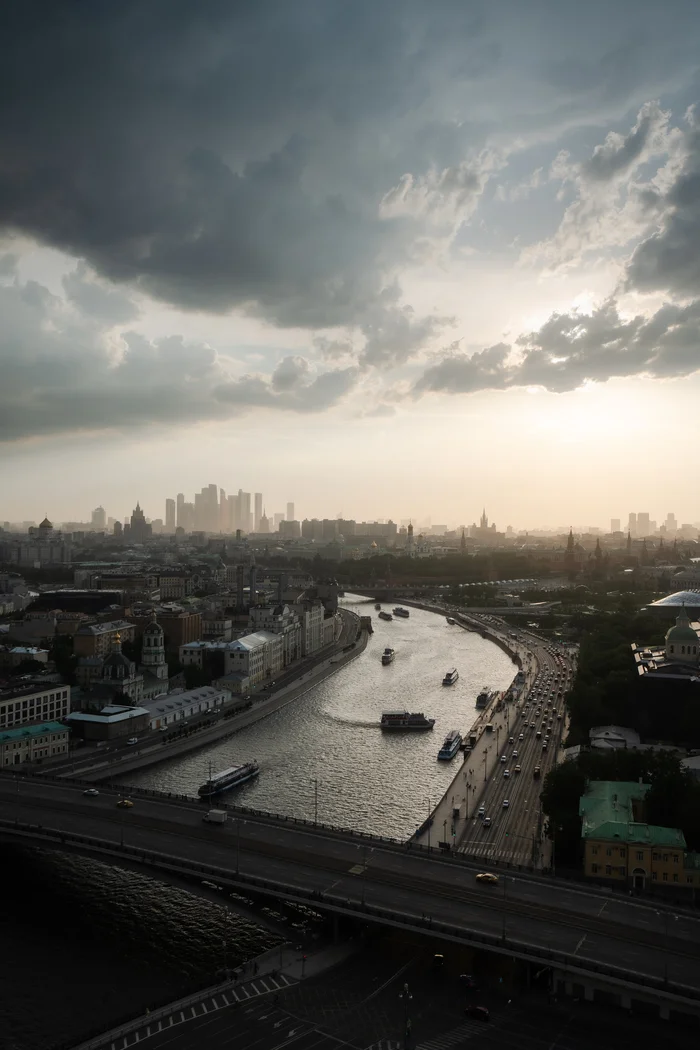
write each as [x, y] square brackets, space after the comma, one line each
[367, 779]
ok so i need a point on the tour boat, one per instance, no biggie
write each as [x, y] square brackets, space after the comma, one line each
[398, 611]
[451, 746]
[388, 656]
[406, 720]
[451, 676]
[451, 621]
[228, 778]
[385, 616]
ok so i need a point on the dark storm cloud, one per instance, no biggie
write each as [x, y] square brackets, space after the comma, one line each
[669, 260]
[228, 154]
[60, 373]
[571, 349]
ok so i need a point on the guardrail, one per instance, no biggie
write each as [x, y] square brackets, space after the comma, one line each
[360, 909]
[387, 842]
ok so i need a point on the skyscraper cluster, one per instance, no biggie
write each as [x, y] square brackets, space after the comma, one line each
[215, 511]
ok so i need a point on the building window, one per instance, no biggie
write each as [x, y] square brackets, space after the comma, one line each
[665, 876]
[666, 857]
[656, 856]
[675, 858]
[653, 876]
[594, 869]
[675, 878]
[689, 879]
[608, 852]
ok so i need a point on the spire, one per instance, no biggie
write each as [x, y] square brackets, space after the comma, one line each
[629, 541]
[570, 541]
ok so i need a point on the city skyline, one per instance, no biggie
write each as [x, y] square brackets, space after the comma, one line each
[464, 258]
[212, 510]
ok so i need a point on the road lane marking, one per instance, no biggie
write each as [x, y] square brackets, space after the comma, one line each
[223, 996]
[214, 1003]
[182, 1016]
[605, 904]
[580, 943]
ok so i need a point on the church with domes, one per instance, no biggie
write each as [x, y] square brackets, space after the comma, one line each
[681, 643]
[117, 678]
[678, 658]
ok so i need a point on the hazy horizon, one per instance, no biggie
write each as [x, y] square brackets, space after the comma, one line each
[374, 259]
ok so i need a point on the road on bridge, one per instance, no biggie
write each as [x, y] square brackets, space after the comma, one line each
[587, 924]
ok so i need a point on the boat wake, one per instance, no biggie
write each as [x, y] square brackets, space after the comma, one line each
[353, 722]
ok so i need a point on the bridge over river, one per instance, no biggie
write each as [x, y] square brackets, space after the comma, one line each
[590, 937]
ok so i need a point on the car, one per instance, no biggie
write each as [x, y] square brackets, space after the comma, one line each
[559, 717]
[506, 774]
[532, 725]
[515, 754]
[479, 1013]
[506, 803]
[487, 876]
[91, 792]
[521, 737]
[482, 809]
[544, 746]
[125, 803]
[487, 822]
[536, 772]
[517, 769]
[538, 734]
[468, 981]
[133, 740]
[503, 758]
[511, 739]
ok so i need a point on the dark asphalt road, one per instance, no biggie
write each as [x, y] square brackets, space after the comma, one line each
[592, 925]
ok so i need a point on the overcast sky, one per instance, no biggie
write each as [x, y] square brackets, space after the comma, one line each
[382, 259]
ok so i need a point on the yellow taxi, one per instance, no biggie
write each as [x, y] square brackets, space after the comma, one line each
[488, 877]
[125, 803]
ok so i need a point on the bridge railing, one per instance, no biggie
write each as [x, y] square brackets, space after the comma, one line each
[439, 855]
[361, 909]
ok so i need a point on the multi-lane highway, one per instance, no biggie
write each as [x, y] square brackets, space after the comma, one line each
[505, 821]
[591, 927]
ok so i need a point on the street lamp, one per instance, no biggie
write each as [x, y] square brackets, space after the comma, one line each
[486, 751]
[406, 997]
[429, 811]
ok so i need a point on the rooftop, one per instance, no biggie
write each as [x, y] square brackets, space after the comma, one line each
[677, 599]
[108, 714]
[104, 628]
[610, 810]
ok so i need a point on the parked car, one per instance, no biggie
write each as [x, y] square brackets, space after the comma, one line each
[91, 792]
[125, 803]
[487, 876]
[133, 740]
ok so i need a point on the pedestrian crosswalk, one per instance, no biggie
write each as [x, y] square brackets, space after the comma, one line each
[456, 1036]
[480, 849]
[384, 1044]
[264, 985]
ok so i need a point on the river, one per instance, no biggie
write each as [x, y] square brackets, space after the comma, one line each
[85, 943]
[328, 746]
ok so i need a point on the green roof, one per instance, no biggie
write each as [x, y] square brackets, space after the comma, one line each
[607, 812]
[29, 731]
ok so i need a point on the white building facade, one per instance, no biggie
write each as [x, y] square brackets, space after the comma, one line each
[33, 703]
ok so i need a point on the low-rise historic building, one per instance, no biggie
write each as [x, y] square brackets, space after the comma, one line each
[33, 743]
[619, 846]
